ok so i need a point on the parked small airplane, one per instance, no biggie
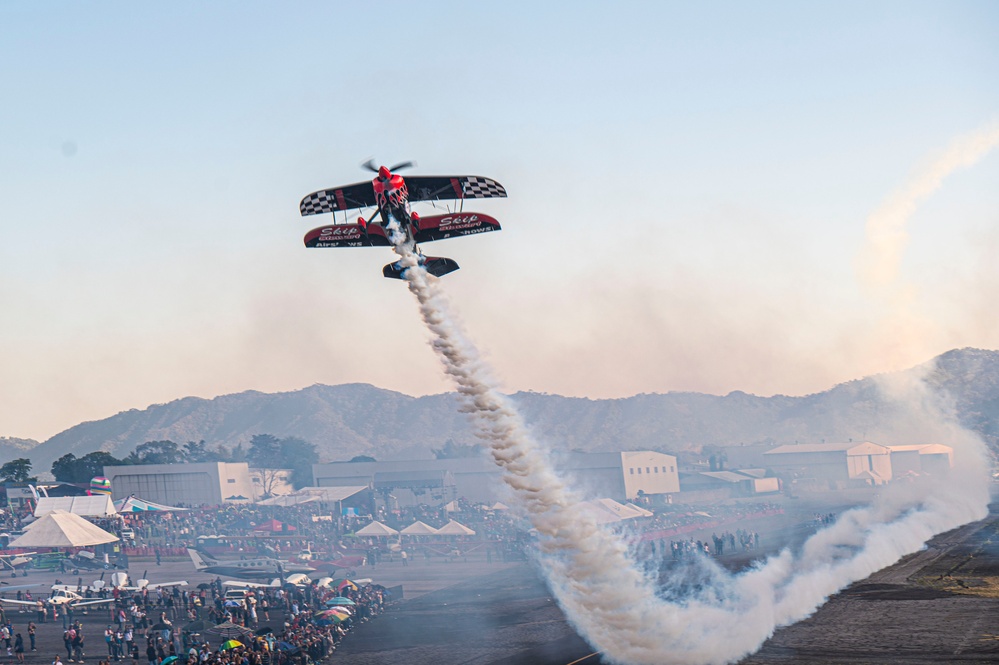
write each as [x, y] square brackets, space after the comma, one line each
[12, 562]
[253, 569]
[297, 579]
[61, 596]
[120, 581]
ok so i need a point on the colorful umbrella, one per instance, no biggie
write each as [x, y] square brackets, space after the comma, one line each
[345, 584]
[230, 644]
[340, 600]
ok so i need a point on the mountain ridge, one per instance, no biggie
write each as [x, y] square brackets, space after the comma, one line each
[360, 419]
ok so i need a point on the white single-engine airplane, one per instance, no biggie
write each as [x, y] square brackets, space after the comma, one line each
[60, 596]
[119, 581]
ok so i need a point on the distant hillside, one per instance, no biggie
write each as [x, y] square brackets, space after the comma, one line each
[13, 448]
[355, 419]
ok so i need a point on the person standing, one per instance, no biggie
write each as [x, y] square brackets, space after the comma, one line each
[19, 648]
[78, 645]
[31, 634]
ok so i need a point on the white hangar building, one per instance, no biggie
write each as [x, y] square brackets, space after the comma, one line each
[204, 483]
[866, 462]
[625, 475]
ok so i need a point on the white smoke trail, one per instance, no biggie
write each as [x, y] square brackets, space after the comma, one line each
[886, 236]
[602, 590]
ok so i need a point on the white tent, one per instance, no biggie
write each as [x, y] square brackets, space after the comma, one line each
[376, 528]
[452, 507]
[499, 506]
[62, 529]
[606, 511]
[89, 506]
[134, 504]
[418, 528]
[313, 494]
[453, 528]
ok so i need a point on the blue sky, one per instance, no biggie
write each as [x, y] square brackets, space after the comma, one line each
[689, 185]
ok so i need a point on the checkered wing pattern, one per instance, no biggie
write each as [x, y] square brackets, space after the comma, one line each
[477, 187]
[358, 195]
[452, 187]
[317, 203]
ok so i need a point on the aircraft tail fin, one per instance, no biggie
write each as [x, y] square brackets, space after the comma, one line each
[201, 560]
[435, 265]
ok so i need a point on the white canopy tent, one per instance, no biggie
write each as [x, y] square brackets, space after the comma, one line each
[606, 511]
[88, 506]
[419, 528]
[62, 529]
[377, 529]
[134, 504]
[453, 528]
[313, 494]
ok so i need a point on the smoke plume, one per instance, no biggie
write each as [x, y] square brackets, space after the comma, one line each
[607, 595]
[886, 236]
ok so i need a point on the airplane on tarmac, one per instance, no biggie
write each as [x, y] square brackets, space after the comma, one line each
[12, 562]
[120, 581]
[60, 596]
[252, 569]
[296, 579]
[390, 194]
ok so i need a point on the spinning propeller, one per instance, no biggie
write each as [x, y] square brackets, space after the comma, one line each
[370, 165]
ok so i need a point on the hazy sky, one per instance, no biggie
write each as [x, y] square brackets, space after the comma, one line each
[689, 185]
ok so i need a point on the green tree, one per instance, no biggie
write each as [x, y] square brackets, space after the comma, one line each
[299, 456]
[156, 452]
[198, 451]
[265, 454]
[16, 471]
[271, 454]
[362, 458]
[72, 469]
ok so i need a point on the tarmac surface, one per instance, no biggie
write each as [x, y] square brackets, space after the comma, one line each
[938, 605]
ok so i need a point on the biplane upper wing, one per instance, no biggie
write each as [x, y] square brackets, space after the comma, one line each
[358, 195]
[449, 188]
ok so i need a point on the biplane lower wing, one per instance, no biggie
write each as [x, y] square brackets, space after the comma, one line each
[347, 235]
[439, 227]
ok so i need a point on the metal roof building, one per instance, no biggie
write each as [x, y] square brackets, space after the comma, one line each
[838, 463]
[620, 475]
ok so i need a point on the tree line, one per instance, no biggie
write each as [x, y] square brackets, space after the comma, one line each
[265, 451]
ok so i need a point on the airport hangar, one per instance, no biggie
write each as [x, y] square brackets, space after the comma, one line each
[623, 475]
[857, 463]
[194, 484]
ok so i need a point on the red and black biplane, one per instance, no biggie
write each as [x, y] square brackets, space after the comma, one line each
[391, 195]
